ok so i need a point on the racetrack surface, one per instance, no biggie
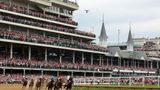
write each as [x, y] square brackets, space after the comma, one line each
[19, 87]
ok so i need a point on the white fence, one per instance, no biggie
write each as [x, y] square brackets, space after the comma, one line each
[130, 81]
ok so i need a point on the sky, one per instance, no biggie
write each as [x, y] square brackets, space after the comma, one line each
[144, 16]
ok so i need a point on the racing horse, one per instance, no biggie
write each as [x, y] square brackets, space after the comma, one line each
[38, 83]
[58, 84]
[50, 84]
[69, 83]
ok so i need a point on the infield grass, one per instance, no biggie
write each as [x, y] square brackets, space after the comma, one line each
[95, 87]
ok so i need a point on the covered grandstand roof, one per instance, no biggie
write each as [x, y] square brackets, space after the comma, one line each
[117, 52]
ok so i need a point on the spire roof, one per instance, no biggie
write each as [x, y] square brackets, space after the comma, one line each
[130, 39]
[103, 36]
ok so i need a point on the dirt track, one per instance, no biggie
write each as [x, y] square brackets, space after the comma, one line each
[10, 87]
[14, 87]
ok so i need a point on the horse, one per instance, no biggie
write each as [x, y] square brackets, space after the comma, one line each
[69, 83]
[58, 84]
[31, 84]
[50, 85]
[38, 84]
[24, 82]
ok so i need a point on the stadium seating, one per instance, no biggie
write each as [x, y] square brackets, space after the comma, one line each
[21, 36]
[23, 10]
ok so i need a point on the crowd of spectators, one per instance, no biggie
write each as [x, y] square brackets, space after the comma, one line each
[37, 38]
[18, 77]
[35, 13]
[23, 10]
[5, 61]
[11, 78]
[50, 64]
[150, 48]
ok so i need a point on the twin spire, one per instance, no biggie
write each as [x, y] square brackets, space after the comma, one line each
[103, 36]
[130, 39]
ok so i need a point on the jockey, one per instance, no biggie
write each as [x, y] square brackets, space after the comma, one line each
[68, 77]
[69, 83]
[51, 78]
[60, 78]
[24, 82]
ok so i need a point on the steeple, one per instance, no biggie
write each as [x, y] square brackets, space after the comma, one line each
[130, 40]
[103, 36]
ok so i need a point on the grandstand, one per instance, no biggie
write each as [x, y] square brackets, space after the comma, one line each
[41, 39]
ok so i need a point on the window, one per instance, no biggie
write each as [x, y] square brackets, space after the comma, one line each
[65, 1]
[61, 10]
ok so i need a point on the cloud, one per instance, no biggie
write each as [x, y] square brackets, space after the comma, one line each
[144, 14]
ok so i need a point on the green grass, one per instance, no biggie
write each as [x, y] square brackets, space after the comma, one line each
[85, 88]
[117, 87]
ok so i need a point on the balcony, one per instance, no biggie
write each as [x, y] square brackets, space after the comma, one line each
[15, 10]
[42, 2]
[67, 3]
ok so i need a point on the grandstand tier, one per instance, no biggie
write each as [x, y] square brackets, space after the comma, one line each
[37, 38]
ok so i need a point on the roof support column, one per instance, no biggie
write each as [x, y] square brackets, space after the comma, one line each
[27, 32]
[24, 72]
[71, 39]
[73, 57]
[29, 53]
[138, 64]
[84, 74]
[144, 64]
[59, 36]
[46, 57]
[151, 64]
[44, 34]
[41, 72]
[9, 29]
[4, 71]
[100, 60]
[119, 62]
[58, 73]
[111, 61]
[107, 61]
[81, 40]
[129, 63]
[84, 77]
[10, 3]
[147, 64]
[72, 73]
[124, 63]
[60, 59]
[135, 64]
[11, 51]
[157, 64]
[91, 58]
[93, 77]
[82, 57]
